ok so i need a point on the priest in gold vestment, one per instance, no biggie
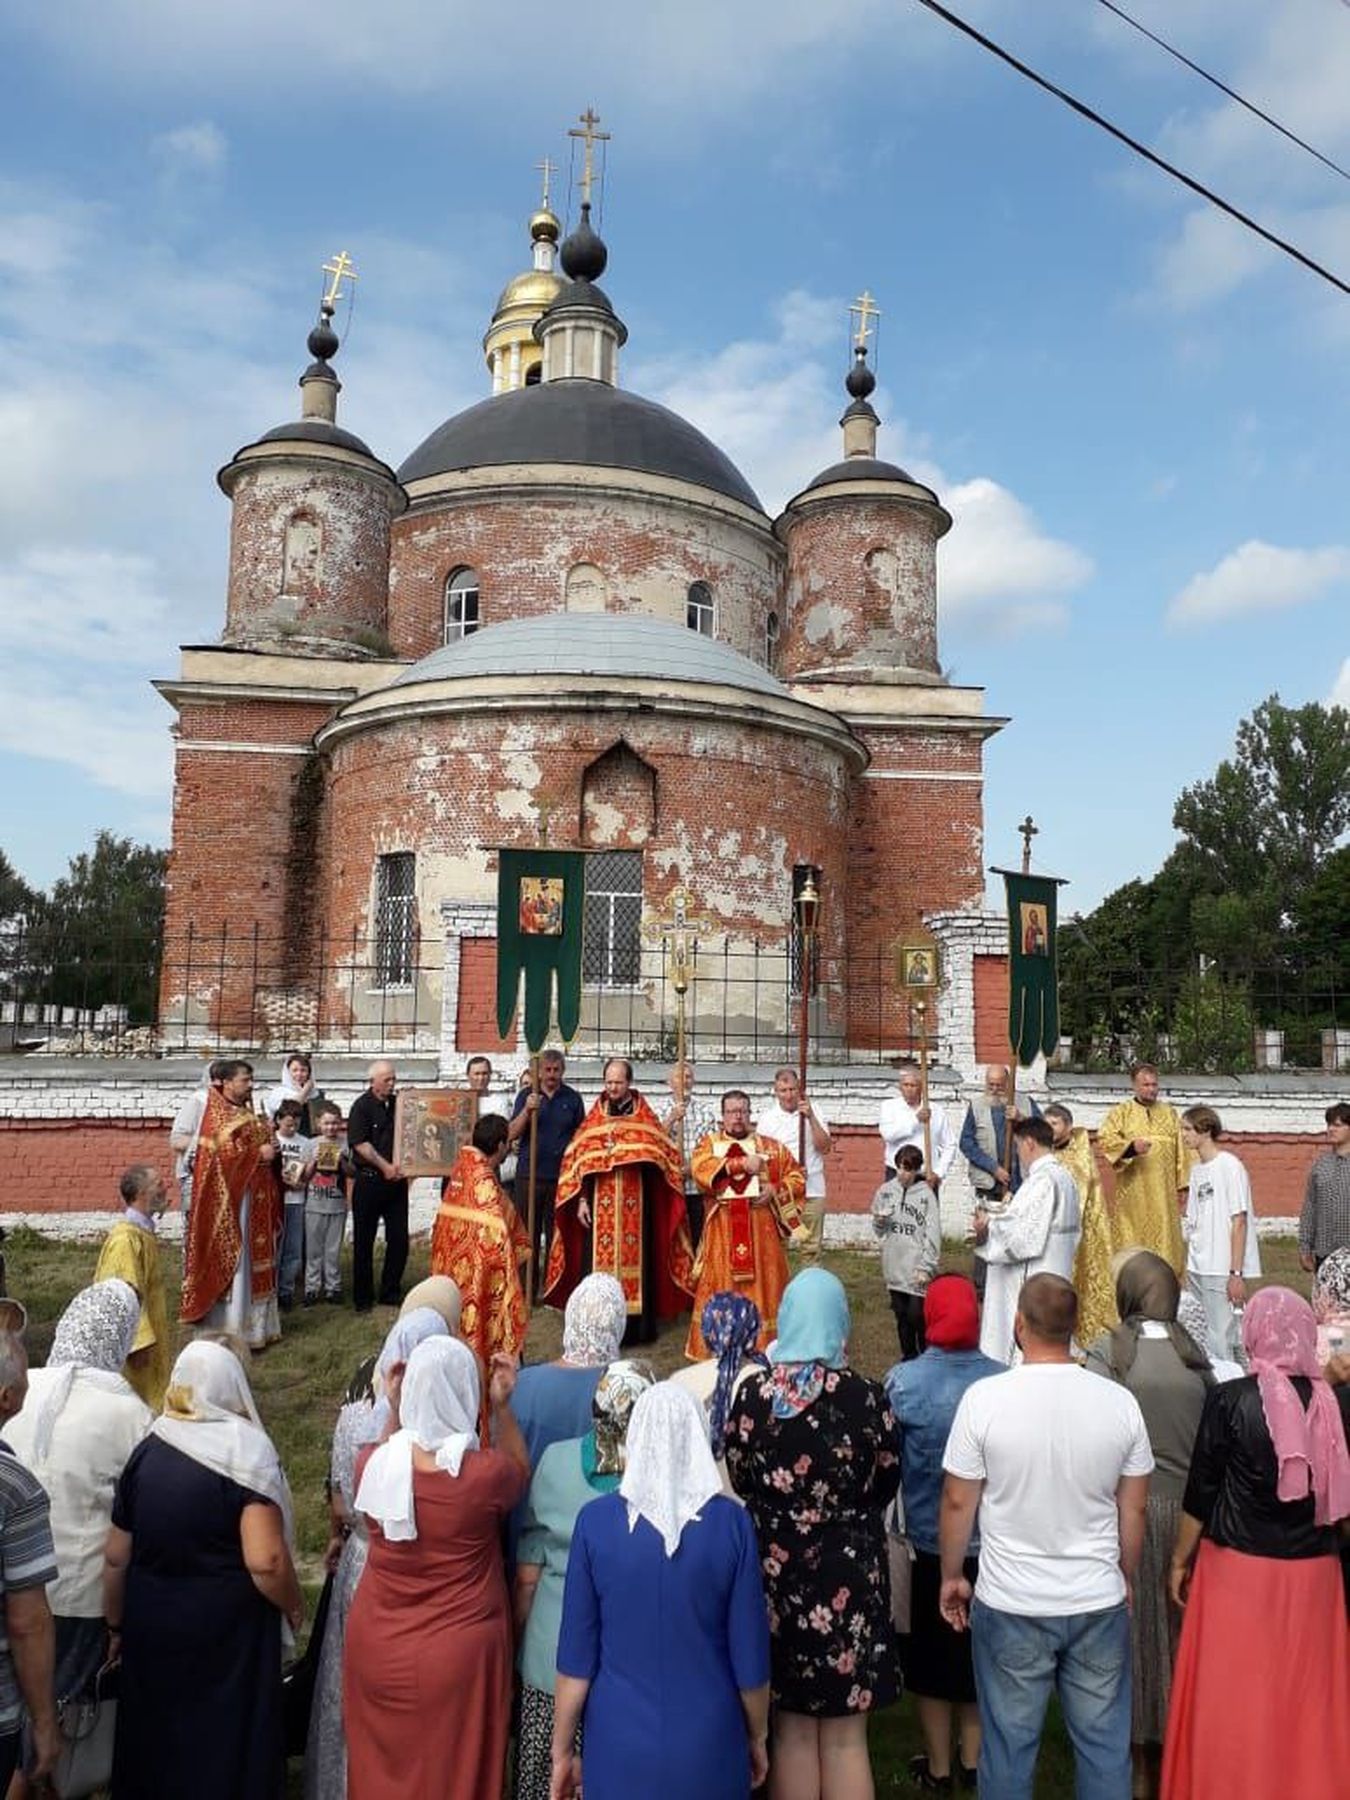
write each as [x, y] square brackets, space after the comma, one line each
[620, 1210]
[480, 1243]
[130, 1253]
[754, 1192]
[1141, 1139]
[1092, 1277]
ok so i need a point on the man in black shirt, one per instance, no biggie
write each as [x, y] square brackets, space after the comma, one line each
[561, 1109]
[380, 1192]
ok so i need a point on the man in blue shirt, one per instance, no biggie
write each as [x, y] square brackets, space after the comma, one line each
[560, 1109]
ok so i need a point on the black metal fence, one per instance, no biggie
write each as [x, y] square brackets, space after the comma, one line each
[236, 987]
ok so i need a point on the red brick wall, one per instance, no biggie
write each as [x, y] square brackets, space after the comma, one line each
[75, 1166]
[345, 591]
[477, 1018]
[862, 585]
[991, 1009]
[522, 546]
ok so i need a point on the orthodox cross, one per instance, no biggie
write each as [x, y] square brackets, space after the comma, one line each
[1028, 829]
[590, 119]
[864, 309]
[550, 169]
[341, 270]
[680, 927]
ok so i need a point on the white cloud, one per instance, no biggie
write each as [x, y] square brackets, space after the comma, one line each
[198, 149]
[1210, 257]
[90, 605]
[117, 737]
[1340, 690]
[997, 553]
[1258, 577]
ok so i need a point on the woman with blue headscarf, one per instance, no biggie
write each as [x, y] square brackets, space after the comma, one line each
[730, 1324]
[811, 1449]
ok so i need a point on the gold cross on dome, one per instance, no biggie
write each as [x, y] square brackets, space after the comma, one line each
[589, 135]
[341, 269]
[864, 309]
[549, 169]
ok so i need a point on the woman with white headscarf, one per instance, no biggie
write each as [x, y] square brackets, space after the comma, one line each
[569, 1476]
[665, 1637]
[198, 1581]
[427, 1672]
[79, 1425]
[552, 1401]
[360, 1422]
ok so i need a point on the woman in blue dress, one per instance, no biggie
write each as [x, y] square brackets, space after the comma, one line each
[663, 1656]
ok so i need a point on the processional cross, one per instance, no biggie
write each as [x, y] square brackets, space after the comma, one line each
[1028, 829]
[678, 930]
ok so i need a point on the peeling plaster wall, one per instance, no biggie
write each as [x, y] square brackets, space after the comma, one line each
[335, 580]
[646, 550]
[862, 585]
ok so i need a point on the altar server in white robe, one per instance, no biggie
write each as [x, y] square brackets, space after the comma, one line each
[1035, 1231]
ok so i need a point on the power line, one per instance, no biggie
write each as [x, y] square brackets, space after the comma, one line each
[1095, 118]
[1224, 88]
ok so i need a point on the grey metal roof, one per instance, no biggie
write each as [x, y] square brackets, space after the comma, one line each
[317, 431]
[864, 468]
[596, 644]
[584, 422]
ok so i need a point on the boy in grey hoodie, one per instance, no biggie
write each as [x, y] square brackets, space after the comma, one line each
[908, 1220]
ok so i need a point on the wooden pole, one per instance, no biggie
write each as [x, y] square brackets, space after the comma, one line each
[921, 1007]
[1028, 831]
[679, 1064]
[803, 1039]
[535, 1274]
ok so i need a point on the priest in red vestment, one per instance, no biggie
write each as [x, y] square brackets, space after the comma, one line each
[754, 1190]
[480, 1243]
[620, 1210]
[234, 1227]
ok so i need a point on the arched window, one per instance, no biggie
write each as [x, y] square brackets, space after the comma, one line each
[771, 642]
[700, 612]
[461, 604]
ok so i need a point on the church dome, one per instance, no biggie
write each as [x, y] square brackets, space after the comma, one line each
[597, 645]
[535, 290]
[587, 423]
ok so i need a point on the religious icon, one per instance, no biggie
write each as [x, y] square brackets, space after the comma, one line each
[541, 906]
[431, 1125]
[1034, 939]
[328, 1156]
[918, 966]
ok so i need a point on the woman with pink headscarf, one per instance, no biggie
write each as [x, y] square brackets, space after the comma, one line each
[1261, 1690]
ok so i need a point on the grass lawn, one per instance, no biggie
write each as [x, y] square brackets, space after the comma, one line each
[299, 1382]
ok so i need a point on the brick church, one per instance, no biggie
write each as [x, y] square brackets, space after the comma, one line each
[564, 617]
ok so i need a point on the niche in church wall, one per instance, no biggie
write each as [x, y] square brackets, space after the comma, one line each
[585, 589]
[618, 799]
[302, 563]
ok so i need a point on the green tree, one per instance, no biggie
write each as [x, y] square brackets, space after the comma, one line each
[96, 939]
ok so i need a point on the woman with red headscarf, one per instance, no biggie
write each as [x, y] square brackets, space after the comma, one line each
[1261, 1690]
[924, 1393]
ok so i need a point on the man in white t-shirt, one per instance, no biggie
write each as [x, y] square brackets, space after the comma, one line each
[1058, 1472]
[1220, 1231]
[901, 1121]
[783, 1120]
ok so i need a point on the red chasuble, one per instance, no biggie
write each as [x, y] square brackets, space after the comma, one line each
[745, 1221]
[621, 1163]
[228, 1166]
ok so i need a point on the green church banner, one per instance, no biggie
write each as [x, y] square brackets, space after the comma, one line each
[541, 900]
[1033, 972]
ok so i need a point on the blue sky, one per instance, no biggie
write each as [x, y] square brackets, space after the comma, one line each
[1135, 411]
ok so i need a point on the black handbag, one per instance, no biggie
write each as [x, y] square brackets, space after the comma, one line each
[297, 1684]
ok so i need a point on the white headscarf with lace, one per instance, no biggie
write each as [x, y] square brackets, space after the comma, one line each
[670, 1474]
[593, 1322]
[437, 1411]
[93, 1338]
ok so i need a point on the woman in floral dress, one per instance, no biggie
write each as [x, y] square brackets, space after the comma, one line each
[811, 1449]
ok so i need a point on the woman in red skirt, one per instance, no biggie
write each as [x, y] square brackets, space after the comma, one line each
[1261, 1690]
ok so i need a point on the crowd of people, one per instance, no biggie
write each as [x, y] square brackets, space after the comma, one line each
[575, 1577]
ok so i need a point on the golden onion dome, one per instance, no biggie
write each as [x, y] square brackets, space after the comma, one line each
[535, 290]
[545, 224]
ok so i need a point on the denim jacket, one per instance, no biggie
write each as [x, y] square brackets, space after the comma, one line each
[924, 1395]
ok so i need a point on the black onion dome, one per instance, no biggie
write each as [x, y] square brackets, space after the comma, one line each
[322, 341]
[579, 422]
[584, 255]
[864, 468]
[860, 380]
